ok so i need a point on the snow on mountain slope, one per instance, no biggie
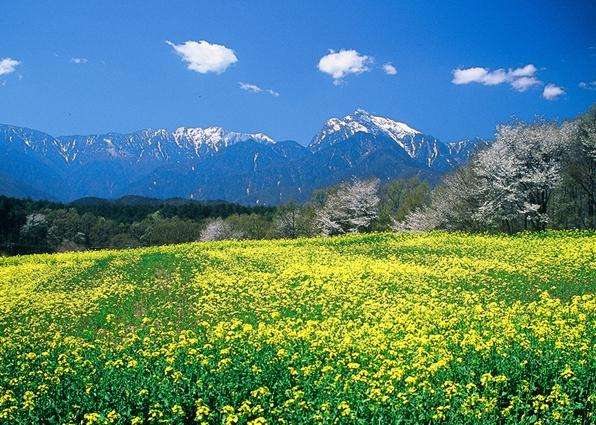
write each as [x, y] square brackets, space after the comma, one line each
[213, 139]
[30, 162]
[27, 141]
[184, 143]
[461, 150]
[360, 121]
[423, 148]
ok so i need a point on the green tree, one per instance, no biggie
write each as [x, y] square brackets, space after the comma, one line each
[399, 198]
[251, 226]
[293, 220]
[574, 203]
[171, 230]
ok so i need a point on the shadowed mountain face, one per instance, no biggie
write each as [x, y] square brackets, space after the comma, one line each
[213, 163]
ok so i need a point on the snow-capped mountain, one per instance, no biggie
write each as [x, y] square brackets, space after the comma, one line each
[214, 163]
[337, 130]
[182, 143]
[422, 148]
[213, 139]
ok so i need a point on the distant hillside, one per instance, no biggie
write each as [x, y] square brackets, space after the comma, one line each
[136, 200]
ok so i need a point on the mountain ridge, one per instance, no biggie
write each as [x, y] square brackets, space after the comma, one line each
[215, 163]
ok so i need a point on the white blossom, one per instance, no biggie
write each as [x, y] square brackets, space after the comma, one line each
[352, 208]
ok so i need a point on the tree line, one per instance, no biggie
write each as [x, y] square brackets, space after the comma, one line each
[531, 177]
[28, 226]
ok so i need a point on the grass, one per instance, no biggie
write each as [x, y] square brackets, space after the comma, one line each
[380, 328]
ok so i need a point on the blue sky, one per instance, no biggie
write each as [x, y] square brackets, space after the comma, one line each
[98, 66]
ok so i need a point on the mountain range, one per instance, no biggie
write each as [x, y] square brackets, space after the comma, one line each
[216, 164]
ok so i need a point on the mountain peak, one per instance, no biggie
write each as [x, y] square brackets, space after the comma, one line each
[215, 138]
[361, 112]
[361, 121]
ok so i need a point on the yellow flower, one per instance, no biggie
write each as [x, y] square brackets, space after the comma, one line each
[259, 392]
[344, 408]
[91, 418]
[203, 411]
[567, 372]
[113, 416]
[28, 400]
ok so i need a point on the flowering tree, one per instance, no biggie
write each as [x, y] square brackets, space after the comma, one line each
[218, 230]
[518, 173]
[35, 229]
[350, 208]
[452, 206]
[507, 185]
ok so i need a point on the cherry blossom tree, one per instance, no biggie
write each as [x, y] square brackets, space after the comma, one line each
[352, 207]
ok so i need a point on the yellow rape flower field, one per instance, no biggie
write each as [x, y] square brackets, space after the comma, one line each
[372, 329]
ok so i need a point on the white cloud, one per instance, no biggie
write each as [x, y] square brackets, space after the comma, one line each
[552, 91]
[204, 57]
[389, 69]
[495, 77]
[590, 85]
[8, 65]
[79, 61]
[526, 71]
[342, 63]
[520, 78]
[524, 83]
[468, 75]
[253, 88]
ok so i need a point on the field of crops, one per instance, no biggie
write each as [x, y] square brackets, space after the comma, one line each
[382, 328]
